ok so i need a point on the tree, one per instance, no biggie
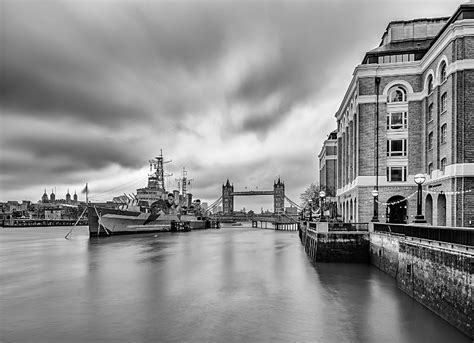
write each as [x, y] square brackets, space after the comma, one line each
[311, 193]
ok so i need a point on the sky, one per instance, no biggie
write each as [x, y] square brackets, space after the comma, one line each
[238, 90]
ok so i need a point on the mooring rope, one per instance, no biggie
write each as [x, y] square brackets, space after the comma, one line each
[75, 224]
[99, 221]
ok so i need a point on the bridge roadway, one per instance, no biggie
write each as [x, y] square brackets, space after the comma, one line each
[249, 193]
[279, 221]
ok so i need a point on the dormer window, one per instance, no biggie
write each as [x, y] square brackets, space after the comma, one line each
[397, 94]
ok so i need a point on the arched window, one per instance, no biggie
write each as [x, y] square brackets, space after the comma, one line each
[444, 130]
[443, 164]
[430, 140]
[397, 94]
[444, 102]
[430, 84]
[442, 74]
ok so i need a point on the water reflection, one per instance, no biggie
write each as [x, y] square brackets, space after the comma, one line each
[234, 284]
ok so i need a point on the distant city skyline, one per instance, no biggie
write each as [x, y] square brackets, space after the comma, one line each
[240, 91]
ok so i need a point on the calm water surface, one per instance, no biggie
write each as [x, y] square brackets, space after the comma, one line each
[231, 285]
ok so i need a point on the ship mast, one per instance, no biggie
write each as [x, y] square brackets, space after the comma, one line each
[156, 178]
[184, 181]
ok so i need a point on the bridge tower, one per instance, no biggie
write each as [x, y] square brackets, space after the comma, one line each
[279, 196]
[228, 198]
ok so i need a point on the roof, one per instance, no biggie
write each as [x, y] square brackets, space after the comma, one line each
[412, 21]
[464, 11]
[404, 46]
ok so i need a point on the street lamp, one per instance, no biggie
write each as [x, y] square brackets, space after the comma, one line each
[322, 194]
[419, 180]
[310, 204]
[375, 194]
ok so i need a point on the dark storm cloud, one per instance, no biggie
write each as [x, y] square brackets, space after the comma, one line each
[58, 154]
[59, 59]
[71, 58]
[43, 97]
[126, 76]
[262, 121]
[76, 154]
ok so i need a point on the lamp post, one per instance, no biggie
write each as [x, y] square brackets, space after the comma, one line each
[310, 205]
[375, 194]
[419, 180]
[322, 194]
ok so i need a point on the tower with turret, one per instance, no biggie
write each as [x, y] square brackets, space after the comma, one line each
[279, 196]
[68, 197]
[52, 197]
[228, 198]
[44, 198]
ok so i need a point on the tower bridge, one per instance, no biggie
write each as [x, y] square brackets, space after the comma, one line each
[278, 192]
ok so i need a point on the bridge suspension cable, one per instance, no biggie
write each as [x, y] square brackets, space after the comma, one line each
[214, 204]
[293, 203]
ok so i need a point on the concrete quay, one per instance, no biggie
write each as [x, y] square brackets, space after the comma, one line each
[437, 274]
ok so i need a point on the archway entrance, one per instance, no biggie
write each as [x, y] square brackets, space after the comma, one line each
[397, 211]
[441, 210]
[429, 209]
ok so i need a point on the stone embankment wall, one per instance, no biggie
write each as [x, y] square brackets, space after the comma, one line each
[438, 275]
[352, 247]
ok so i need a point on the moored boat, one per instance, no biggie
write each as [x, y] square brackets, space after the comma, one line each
[148, 211]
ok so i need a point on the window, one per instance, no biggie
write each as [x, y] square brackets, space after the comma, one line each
[430, 112]
[430, 84]
[442, 74]
[398, 173]
[444, 130]
[443, 164]
[397, 147]
[396, 58]
[430, 141]
[397, 94]
[397, 121]
[430, 168]
[444, 102]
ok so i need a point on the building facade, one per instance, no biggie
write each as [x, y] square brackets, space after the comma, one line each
[328, 165]
[328, 173]
[409, 109]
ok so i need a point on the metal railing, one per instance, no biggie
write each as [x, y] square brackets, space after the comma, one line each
[455, 235]
[339, 226]
[335, 226]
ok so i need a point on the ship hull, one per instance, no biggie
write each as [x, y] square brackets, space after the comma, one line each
[143, 223]
[117, 222]
[93, 212]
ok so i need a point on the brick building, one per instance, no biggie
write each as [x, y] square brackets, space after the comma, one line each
[328, 173]
[328, 165]
[409, 109]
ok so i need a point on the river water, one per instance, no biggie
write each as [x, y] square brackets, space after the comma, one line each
[236, 284]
